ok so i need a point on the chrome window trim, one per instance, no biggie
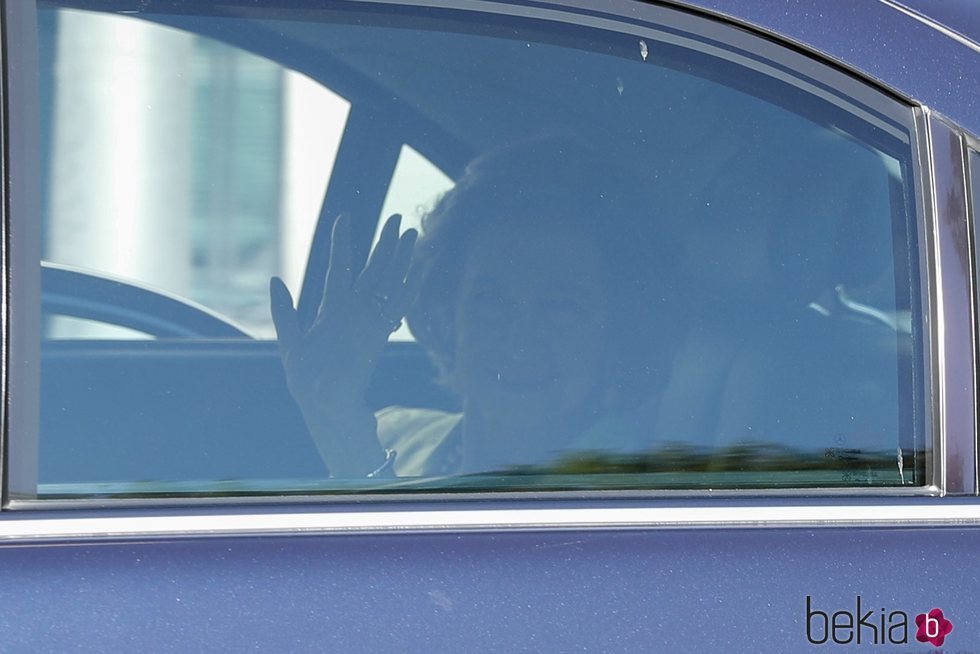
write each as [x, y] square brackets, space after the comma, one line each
[931, 319]
[4, 253]
[228, 502]
[929, 22]
[924, 514]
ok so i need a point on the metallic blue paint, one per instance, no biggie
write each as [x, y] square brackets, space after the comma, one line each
[708, 590]
[640, 591]
[879, 41]
[960, 16]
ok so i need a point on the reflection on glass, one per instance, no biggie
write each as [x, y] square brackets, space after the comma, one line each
[205, 165]
[663, 268]
[416, 185]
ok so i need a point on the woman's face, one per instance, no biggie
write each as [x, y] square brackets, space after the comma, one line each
[531, 325]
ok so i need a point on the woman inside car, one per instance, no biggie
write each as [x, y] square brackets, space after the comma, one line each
[537, 290]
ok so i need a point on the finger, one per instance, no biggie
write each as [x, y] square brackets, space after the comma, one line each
[403, 292]
[377, 266]
[339, 273]
[402, 259]
[284, 317]
[410, 288]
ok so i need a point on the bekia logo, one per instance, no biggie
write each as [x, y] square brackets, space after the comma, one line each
[873, 627]
[933, 627]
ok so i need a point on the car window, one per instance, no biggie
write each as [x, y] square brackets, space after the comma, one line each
[205, 165]
[416, 185]
[630, 256]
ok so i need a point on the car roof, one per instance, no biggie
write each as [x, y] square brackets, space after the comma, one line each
[926, 51]
[961, 17]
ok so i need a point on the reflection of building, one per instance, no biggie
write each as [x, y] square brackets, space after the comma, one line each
[181, 162]
[121, 150]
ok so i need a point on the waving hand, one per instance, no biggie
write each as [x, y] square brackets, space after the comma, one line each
[329, 365]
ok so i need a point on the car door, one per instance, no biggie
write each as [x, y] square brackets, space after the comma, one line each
[787, 458]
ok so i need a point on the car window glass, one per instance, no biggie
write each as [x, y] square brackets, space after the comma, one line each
[205, 165]
[83, 328]
[416, 184]
[659, 256]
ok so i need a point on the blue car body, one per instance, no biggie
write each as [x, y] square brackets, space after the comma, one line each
[765, 571]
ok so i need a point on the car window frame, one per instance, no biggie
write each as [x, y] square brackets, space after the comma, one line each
[953, 471]
[972, 163]
[950, 264]
[21, 197]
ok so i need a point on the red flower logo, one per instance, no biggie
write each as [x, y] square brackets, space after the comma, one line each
[933, 627]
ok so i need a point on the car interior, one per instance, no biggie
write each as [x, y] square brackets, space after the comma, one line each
[796, 327]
